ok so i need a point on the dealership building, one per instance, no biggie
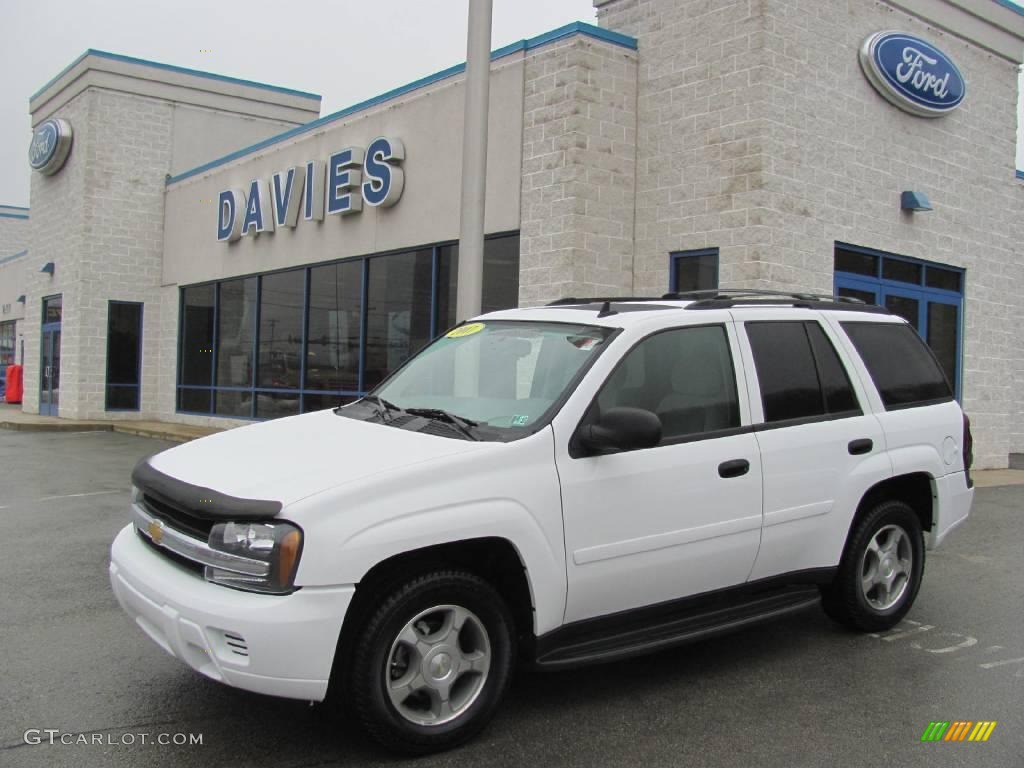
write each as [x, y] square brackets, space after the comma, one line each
[208, 250]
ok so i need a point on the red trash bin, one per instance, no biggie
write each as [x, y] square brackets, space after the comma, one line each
[15, 384]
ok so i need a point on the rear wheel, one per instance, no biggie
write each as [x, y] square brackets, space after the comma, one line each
[881, 570]
[432, 663]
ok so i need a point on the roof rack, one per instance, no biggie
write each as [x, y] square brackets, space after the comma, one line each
[729, 297]
[567, 300]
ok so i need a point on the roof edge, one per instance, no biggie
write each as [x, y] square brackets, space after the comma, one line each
[575, 28]
[171, 68]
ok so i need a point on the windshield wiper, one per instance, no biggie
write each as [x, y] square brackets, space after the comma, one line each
[461, 423]
[384, 408]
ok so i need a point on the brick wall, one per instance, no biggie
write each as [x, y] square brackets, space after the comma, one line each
[759, 135]
[14, 233]
[701, 141]
[579, 169]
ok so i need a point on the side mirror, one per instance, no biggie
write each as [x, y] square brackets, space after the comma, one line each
[621, 429]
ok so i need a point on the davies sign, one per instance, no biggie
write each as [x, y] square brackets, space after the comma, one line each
[912, 74]
[340, 186]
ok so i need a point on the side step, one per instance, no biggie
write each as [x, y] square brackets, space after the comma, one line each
[594, 641]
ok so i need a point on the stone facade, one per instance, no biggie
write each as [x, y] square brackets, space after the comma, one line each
[14, 239]
[759, 135]
[579, 171]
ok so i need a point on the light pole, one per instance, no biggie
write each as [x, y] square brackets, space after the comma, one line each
[474, 161]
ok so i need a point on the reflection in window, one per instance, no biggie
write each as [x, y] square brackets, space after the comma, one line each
[281, 301]
[335, 307]
[397, 312]
[235, 328]
[695, 270]
[196, 345]
[501, 278]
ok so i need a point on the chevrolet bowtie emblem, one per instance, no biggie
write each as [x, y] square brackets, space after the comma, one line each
[156, 531]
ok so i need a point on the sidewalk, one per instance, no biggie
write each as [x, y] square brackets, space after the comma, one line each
[11, 417]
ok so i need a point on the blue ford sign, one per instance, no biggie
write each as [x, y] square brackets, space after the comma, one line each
[912, 74]
[51, 142]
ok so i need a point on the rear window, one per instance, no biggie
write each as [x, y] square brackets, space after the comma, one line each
[900, 363]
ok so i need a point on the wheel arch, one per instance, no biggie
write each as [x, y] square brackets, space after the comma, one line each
[492, 558]
[915, 489]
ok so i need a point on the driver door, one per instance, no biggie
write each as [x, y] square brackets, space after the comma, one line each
[651, 525]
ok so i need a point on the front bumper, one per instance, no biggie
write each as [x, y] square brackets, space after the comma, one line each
[282, 645]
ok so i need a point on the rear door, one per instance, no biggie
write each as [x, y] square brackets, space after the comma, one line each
[821, 449]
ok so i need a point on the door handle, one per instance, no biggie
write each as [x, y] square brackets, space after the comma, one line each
[859, 447]
[734, 468]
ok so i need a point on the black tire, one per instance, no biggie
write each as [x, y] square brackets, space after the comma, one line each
[846, 600]
[371, 661]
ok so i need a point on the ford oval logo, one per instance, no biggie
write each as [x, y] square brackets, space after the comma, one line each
[51, 142]
[912, 74]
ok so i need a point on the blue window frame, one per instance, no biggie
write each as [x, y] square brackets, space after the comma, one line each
[927, 295]
[693, 270]
[303, 339]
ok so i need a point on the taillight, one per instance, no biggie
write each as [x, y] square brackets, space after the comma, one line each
[968, 450]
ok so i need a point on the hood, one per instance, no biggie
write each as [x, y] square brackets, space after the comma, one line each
[289, 459]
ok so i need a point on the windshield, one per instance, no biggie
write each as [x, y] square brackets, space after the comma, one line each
[502, 375]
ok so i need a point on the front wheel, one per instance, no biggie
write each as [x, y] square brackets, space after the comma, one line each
[433, 662]
[881, 570]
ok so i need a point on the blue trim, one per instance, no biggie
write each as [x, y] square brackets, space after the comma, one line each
[15, 207]
[12, 257]
[13, 215]
[1020, 174]
[172, 68]
[568, 30]
[1011, 5]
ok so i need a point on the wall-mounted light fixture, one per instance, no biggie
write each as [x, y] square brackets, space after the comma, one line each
[21, 299]
[915, 201]
[48, 268]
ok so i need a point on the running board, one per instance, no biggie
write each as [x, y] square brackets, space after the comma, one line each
[594, 641]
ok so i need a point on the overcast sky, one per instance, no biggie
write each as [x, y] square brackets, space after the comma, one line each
[323, 47]
[312, 46]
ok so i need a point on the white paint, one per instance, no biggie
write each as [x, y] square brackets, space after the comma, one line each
[967, 642]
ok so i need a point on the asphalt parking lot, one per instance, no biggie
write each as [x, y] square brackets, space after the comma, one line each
[797, 693]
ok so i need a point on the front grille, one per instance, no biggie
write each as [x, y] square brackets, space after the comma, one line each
[189, 565]
[178, 518]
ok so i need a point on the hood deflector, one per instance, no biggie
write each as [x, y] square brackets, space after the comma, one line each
[197, 500]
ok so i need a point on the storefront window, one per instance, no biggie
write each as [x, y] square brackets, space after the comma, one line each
[398, 310]
[6, 344]
[694, 270]
[318, 337]
[501, 277]
[335, 318]
[124, 355]
[282, 297]
[236, 330]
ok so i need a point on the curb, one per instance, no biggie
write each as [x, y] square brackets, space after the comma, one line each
[124, 428]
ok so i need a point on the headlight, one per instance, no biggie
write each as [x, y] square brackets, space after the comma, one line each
[277, 544]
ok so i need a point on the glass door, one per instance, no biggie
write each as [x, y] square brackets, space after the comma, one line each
[49, 372]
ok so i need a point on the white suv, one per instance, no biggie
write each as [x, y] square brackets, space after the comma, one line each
[573, 483]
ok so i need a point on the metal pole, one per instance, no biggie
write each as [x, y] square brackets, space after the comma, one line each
[474, 160]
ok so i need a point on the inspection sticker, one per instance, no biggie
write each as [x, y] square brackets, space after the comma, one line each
[465, 330]
[520, 421]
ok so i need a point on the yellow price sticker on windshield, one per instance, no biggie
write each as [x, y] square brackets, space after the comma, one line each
[465, 330]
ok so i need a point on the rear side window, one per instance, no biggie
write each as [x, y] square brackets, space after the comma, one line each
[799, 372]
[903, 368]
